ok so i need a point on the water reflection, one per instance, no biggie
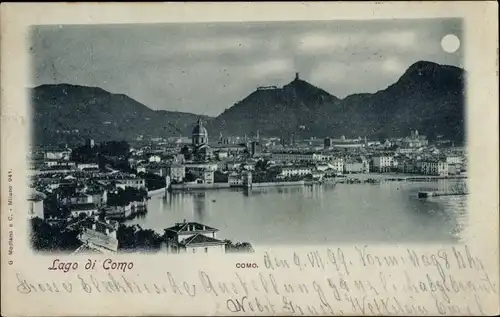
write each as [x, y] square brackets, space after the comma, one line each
[354, 213]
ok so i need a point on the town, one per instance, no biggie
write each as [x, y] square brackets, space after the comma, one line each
[82, 194]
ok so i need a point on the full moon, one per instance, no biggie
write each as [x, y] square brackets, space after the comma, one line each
[450, 43]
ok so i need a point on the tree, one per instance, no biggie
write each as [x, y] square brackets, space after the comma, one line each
[138, 239]
[45, 237]
[262, 165]
[154, 181]
[238, 247]
[190, 177]
[220, 177]
[115, 148]
[124, 196]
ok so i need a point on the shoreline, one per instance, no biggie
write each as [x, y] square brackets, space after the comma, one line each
[349, 179]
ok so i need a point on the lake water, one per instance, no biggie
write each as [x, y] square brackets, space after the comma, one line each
[321, 214]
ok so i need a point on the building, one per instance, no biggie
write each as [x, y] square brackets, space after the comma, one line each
[57, 154]
[298, 170]
[453, 159]
[255, 149]
[192, 237]
[221, 155]
[154, 158]
[90, 143]
[408, 166]
[82, 166]
[97, 235]
[208, 177]
[300, 157]
[434, 167]
[353, 166]
[199, 150]
[99, 196]
[88, 209]
[81, 198]
[337, 164]
[177, 172]
[454, 169]
[199, 135]
[118, 212]
[382, 163]
[327, 143]
[235, 180]
[134, 182]
[36, 209]
[415, 140]
[60, 163]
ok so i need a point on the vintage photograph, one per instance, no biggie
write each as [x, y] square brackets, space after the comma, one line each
[225, 137]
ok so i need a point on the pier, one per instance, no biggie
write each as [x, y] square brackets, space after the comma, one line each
[427, 194]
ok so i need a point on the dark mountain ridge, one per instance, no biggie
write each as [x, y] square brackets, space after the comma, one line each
[66, 113]
[428, 97]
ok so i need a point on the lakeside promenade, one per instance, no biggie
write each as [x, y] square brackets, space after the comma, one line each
[365, 178]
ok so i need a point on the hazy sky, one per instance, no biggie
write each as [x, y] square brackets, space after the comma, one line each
[205, 68]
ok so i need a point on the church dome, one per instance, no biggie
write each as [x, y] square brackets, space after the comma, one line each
[199, 129]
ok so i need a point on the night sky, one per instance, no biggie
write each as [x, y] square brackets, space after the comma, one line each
[205, 68]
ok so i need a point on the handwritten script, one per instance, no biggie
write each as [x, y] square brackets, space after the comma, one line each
[332, 281]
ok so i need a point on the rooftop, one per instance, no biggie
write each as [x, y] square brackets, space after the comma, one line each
[183, 227]
[200, 239]
[87, 206]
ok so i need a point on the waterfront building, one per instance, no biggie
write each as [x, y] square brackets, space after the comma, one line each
[235, 180]
[408, 166]
[192, 237]
[247, 179]
[208, 177]
[177, 172]
[129, 181]
[297, 170]
[454, 169]
[117, 212]
[299, 157]
[337, 164]
[382, 163]
[353, 166]
[434, 167]
[157, 169]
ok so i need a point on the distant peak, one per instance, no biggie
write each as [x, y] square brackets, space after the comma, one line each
[428, 66]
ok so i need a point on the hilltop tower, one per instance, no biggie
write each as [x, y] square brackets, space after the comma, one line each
[297, 76]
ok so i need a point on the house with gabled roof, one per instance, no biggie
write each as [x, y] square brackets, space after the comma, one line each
[192, 237]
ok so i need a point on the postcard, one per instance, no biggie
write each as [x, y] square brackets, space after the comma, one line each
[249, 159]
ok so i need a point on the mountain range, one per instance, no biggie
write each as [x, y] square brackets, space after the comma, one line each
[428, 97]
[70, 114]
